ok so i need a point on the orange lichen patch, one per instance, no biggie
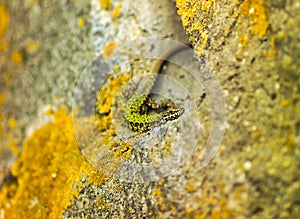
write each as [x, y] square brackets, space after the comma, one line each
[281, 35]
[4, 20]
[80, 22]
[290, 144]
[33, 46]
[116, 12]
[3, 45]
[2, 99]
[100, 202]
[13, 147]
[106, 4]
[195, 16]
[125, 150]
[244, 39]
[48, 112]
[17, 57]
[160, 200]
[11, 123]
[167, 146]
[109, 50]
[191, 187]
[256, 136]
[105, 99]
[285, 103]
[46, 170]
[107, 92]
[257, 11]
[271, 53]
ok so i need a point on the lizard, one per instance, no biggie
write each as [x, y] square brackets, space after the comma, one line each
[141, 112]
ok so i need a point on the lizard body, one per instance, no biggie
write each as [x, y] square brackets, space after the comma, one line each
[141, 112]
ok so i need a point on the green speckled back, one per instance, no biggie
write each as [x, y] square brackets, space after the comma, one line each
[139, 118]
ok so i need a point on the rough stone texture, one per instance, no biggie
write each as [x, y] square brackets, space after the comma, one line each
[251, 46]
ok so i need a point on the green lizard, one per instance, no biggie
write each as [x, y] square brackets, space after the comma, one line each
[142, 113]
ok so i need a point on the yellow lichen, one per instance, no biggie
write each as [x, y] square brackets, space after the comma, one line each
[116, 12]
[285, 103]
[191, 187]
[124, 151]
[32, 47]
[17, 57]
[96, 177]
[195, 16]
[105, 99]
[109, 50]
[159, 198]
[3, 45]
[257, 11]
[4, 20]
[14, 147]
[11, 123]
[166, 147]
[256, 136]
[99, 202]
[48, 112]
[80, 22]
[2, 99]
[43, 186]
[106, 4]
[271, 53]
[107, 92]
[244, 39]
